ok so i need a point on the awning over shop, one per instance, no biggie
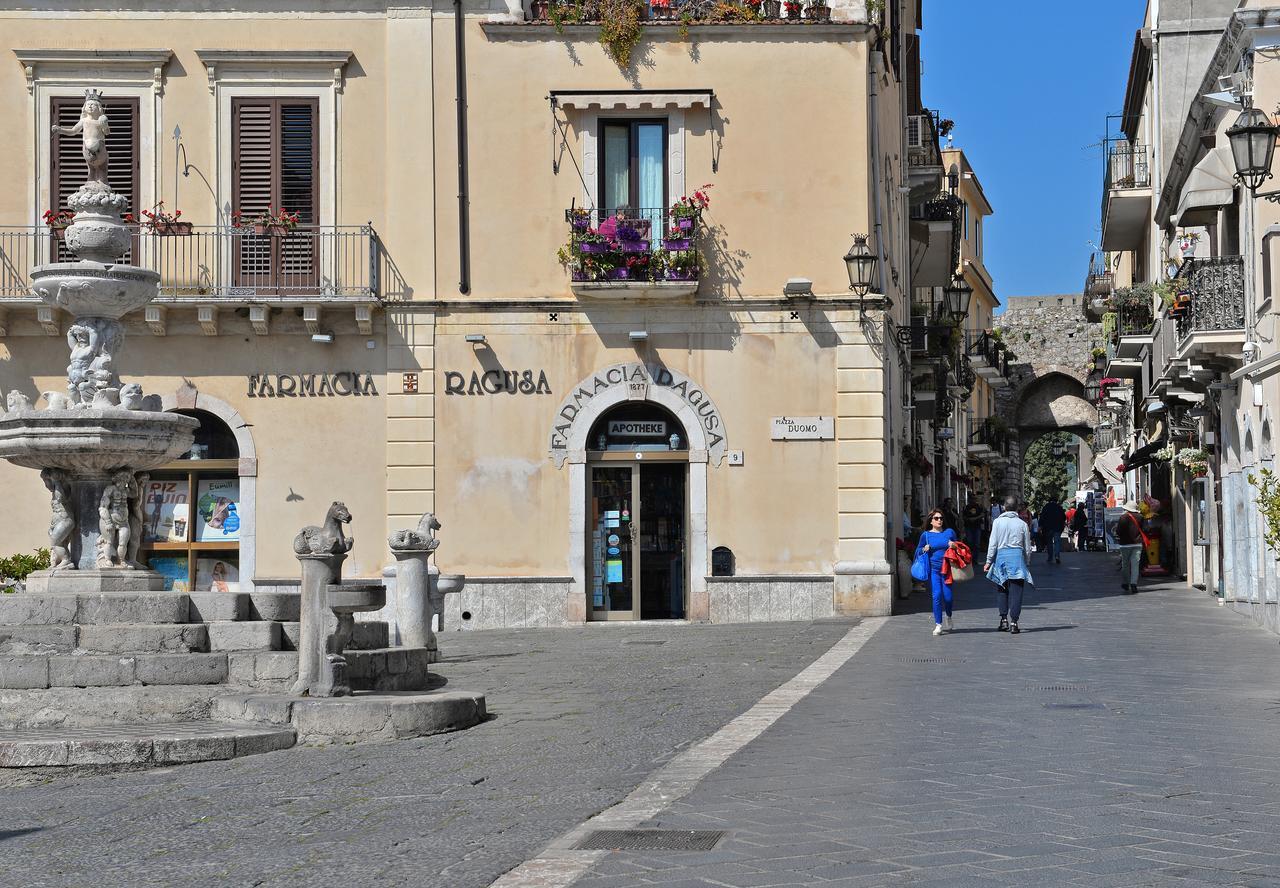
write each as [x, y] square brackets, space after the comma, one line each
[1210, 185]
[1108, 464]
[1142, 455]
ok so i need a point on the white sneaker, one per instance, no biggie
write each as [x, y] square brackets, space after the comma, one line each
[937, 630]
[946, 623]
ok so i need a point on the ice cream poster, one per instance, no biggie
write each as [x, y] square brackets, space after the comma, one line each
[217, 510]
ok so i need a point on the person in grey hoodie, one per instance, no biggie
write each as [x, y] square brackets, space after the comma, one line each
[1008, 564]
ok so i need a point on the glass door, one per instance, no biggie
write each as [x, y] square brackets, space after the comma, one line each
[661, 523]
[611, 545]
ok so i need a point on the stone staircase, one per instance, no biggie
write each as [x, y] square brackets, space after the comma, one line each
[70, 662]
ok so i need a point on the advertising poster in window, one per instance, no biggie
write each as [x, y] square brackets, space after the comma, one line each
[174, 570]
[165, 511]
[217, 575]
[217, 510]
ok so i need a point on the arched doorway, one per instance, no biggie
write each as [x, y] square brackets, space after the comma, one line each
[1053, 465]
[637, 514]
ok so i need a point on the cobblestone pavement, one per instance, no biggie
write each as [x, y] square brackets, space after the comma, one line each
[1118, 741]
[580, 717]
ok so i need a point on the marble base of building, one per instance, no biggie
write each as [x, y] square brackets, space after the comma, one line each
[864, 588]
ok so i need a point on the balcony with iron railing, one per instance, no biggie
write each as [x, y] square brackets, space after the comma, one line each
[1210, 310]
[1099, 282]
[630, 252]
[1126, 193]
[207, 263]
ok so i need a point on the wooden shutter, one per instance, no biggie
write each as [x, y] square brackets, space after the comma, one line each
[67, 167]
[274, 167]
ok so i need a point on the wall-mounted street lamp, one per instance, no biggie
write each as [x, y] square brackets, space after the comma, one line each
[1253, 145]
[956, 297]
[1093, 389]
[860, 262]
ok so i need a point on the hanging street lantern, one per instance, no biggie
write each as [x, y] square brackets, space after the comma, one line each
[1253, 144]
[956, 297]
[1092, 389]
[860, 262]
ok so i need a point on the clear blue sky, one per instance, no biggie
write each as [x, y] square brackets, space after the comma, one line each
[1029, 86]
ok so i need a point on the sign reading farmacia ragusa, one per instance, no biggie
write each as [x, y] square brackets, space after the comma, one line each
[638, 380]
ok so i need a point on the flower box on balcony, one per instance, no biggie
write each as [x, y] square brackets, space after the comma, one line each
[633, 289]
[682, 274]
[818, 12]
[595, 246]
[171, 229]
[772, 9]
[633, 246]
[675, 244]
[684, 223]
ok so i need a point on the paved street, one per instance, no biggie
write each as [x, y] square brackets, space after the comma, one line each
[580, 716]
[1118, 741]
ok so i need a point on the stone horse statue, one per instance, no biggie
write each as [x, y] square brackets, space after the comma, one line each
[330, 539]
[422, 538]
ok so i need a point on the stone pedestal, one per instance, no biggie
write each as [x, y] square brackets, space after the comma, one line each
[413, 599]
[318, 573]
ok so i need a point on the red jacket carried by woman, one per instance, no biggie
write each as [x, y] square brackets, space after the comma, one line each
[958, 555]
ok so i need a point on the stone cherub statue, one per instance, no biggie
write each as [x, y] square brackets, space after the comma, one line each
[93, 129]
[137, 517]
[422, 538]
[329, 539]
[83, 340]
[61, 521]
[113, 520]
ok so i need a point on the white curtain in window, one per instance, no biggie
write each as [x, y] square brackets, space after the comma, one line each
[651, 151]
[616, 190]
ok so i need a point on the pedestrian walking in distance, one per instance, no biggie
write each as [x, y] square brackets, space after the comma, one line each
[935, 539]
[1053, 520]
[1130, 539]
[1008, 564]
[975, 519]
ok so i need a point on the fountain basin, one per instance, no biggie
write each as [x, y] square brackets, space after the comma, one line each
[94, 441]
[348, 598]
[95, 289]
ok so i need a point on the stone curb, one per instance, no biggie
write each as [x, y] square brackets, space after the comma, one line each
[161, 744]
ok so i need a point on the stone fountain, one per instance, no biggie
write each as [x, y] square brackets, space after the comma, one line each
[93, 441]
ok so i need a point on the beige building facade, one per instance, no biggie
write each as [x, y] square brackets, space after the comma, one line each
[687, 423]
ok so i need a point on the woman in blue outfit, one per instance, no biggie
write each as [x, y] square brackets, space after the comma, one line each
[1008, 564]
[935, 540]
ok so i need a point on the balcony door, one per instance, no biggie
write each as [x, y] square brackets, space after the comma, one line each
[275, 167]
[633, 170]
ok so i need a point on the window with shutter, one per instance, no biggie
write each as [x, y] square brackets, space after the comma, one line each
[274, 168]
[68, 169]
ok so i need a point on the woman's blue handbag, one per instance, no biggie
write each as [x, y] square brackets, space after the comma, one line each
[920, 567]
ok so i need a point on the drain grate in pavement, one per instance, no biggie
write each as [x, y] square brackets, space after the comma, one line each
[656, 641]
[651, 840]
[1062, 687]
[1073, 706]
[931, 660]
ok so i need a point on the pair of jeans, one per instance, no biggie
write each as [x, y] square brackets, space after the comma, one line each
[1130, 562]
[1009, 599]
[1053, 546]
[941, 595]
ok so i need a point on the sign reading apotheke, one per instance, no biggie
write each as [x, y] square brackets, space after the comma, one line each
[803, 428]
[633, 428]
[619, 382]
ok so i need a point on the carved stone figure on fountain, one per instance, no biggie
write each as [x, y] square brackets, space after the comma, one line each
[83, 341]
[62, 523]
[137, 516]
[113, 520]
[131, 397]
[424, 538]
[330, 539]
[17, 401]
[93, 129]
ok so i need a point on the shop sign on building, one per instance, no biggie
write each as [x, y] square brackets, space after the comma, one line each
[639, 380]
[310, 385]
[636, 428]
[495, 382]
[803, 428]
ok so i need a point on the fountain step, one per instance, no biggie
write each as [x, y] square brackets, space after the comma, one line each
[284, 607]
[366, 636]
[94, 582]
[105, 638]
[171, 743]
[358, 718]
[89, 707]
[209, 607]
[381, 669]
[36, 608]
[20, 671]
[246, 635]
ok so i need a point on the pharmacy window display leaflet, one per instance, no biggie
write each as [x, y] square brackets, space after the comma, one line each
[192, 514]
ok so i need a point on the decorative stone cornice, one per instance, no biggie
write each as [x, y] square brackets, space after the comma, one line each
[364, 319]
[63, 64]
[207, 315]
[316, 64]
[311, 317]
[260, 319]
[155, 317]
[48, 319]
[633, 100]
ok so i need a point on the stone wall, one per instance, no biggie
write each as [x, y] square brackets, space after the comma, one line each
[762, 599]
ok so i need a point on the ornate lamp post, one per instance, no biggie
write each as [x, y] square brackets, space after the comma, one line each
[861, 264]
[1253, 145]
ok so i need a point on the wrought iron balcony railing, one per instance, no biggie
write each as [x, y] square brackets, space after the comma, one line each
[1216, 289]
[1099, 282]
[922, 140]
[230, 262]
[627, 244]
[1127, 165]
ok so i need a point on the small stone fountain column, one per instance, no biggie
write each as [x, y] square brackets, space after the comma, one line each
[94, 442]
[420, 587]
